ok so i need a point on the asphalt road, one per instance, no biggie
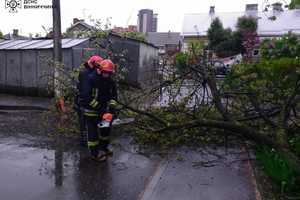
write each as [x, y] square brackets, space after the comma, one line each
[34, 165]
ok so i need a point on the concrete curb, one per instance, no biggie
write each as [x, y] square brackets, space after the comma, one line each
[22, 107]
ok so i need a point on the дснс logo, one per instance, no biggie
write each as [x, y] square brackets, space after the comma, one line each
[13, 5]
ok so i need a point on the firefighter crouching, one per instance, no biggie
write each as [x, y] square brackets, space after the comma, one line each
[99, 97]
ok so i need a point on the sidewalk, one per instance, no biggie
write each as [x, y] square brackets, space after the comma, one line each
[10, 102]
[201, 175]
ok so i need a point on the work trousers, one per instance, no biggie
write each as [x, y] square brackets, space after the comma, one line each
[82, 127]
[98, 139]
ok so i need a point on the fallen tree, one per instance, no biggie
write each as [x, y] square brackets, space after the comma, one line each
[255, 101]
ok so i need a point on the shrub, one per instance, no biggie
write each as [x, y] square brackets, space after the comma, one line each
[277, 167]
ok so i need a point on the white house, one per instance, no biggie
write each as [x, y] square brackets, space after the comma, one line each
[273, 23]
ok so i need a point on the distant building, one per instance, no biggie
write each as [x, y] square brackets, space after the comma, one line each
[272, 23]
[14, 36]
[78, 26]
[147, 21]
[167, 42]
[130, 28]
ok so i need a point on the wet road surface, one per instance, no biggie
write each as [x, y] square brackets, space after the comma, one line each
[35, 173]
[33, 166]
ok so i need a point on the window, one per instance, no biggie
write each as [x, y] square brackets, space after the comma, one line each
[256, 52]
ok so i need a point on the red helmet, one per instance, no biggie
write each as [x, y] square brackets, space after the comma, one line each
[107, 117]
[107, 66]
[95, 60]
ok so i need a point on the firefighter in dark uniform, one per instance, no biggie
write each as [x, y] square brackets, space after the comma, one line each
[99, 99]
[83, 78]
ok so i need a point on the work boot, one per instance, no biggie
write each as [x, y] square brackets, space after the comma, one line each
[99, 158]
[108, 152]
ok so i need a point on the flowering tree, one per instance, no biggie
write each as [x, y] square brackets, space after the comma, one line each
[247, 27]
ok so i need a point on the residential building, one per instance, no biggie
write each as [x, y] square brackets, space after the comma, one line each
[78, 27]
[147, 21]
[271, 23]
[167, 42]
[130, 28]
[14, 36]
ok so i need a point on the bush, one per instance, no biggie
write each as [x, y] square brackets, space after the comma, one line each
[272, 80]
[228, 48]
[295, 142]
[181, 61]
[277, 167]
[228, 43]
[246, 24]
[287, 46]
[134, 35]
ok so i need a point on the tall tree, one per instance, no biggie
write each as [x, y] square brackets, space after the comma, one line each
[217, 34]
[247, 27]
[223, 41]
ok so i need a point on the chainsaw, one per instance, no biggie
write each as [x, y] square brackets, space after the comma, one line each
[108, 121]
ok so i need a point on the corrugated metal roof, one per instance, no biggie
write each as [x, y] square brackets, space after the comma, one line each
[38, 44]
[289, 20]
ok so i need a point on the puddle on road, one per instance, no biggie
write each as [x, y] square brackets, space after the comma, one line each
[31, 173]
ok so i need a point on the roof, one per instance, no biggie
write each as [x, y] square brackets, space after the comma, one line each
[10, 36]
[82, 23]
[163, 38]
[132, 39]
[197, 24]
[37, 44]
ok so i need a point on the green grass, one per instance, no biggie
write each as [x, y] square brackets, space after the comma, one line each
[277, 168]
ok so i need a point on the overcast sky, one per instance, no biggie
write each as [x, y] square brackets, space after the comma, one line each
[170, 12]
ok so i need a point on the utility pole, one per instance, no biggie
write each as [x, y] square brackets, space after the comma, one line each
[57, 49]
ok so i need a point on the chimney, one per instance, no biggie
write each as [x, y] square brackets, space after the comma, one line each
[251, 7]
[212, 10]
[15, 32]
[75, 20]
[277, 7]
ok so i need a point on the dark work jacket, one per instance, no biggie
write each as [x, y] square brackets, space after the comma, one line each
[97, 91]
[83, 79]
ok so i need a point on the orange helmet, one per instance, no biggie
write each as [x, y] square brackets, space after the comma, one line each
[107, 66]
[95, 60]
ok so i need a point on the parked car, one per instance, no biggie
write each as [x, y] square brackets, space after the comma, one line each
[223, 65]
